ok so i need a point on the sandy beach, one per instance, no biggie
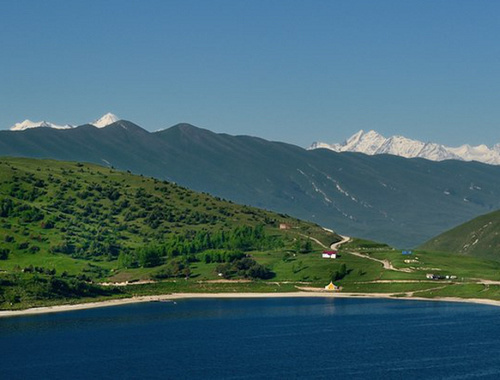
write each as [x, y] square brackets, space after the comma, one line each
[176, 296]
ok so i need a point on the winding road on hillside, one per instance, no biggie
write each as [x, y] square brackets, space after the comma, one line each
[386, 263]
[345, 239]
[388, 266]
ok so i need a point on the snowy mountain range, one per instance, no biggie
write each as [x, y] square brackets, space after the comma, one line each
[28, 124]
[102, 122]
[372, 143]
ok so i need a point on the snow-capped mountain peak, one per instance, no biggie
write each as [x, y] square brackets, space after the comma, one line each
[105, 120]
[102, 122]
[368, 142]
[28, 124]
[373, 143]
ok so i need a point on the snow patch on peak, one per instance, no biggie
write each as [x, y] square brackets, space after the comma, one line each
[364, 142]
[355, 137]
[105, 120]
[479, 153]
[28, 124]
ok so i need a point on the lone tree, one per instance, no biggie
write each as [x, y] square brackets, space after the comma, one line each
[307, 246]
[340, 273]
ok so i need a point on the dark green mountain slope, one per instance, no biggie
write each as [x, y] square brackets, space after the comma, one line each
[478, 237]
[385, 198]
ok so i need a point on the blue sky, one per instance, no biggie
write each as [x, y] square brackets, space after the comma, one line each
[293, 71]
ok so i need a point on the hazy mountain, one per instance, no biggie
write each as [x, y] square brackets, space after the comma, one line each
[383, 197]
[478, 237]
[373, 143]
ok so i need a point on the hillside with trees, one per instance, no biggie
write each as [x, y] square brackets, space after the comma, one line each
[72, 232]
[66, 227]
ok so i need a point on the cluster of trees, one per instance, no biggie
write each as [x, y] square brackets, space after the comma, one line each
[175, 268]
[303, 246]
[74, 287]
[245, 267]
[43, 284]
[91, 248]
[21, 188]
[41, 270]
[24, 212]
[221, 256]
[243, 238]
[219, 246]
[226, 248]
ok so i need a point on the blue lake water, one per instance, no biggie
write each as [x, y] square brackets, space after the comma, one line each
[286, 338]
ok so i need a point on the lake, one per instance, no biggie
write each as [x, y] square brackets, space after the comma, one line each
[275, 338]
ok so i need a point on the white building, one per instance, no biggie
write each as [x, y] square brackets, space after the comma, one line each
[329, 254]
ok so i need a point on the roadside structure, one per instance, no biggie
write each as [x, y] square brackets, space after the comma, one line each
[329, 254]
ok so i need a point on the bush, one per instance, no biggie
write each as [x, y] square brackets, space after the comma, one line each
[149, 257]
[175, 268]
[4, 253]
[23, 245]
[34, 249]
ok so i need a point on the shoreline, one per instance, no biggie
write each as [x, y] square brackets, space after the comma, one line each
[177, 296]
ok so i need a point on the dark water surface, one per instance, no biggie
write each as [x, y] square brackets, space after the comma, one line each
[284, 338]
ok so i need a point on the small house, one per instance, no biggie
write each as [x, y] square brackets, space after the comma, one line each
[284, 226]
[331, 286]
[329, 254]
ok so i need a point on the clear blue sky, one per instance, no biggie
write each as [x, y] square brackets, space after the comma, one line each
[294, 71]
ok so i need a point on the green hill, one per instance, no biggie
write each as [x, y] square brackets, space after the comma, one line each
[403, 202]
[479, 237]
[74, 232]
[65, 227]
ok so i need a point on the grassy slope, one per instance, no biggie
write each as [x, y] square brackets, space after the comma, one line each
[478, 237]
[100, 212]
[475, 277]
[364, 275]
[61, 198]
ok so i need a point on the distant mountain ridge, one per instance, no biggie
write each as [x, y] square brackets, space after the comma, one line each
[386, 198]
[373, 143]
[102, 122]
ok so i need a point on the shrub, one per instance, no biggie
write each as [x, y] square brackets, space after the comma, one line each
[4, 253]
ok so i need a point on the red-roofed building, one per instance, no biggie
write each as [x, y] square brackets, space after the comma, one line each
[329, 254]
